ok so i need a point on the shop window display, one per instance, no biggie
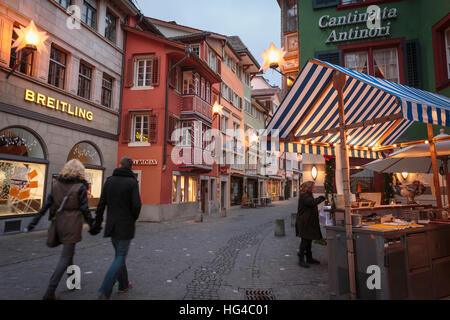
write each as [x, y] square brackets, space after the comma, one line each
[89, 156]
[21, 182]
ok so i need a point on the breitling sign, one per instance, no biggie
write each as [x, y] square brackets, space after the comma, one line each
[57, 105]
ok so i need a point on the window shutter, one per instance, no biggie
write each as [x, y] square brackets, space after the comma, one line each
[318, 4]
[152, 128]
[155, 71]
[219, 66]
[126, 127]
[331, 56]
[129, 80]
[411, 60]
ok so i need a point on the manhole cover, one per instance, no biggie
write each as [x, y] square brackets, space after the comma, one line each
[259, 294]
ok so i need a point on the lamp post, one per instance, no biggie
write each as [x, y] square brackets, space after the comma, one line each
[274, 58]
[29, 40]
[217, 111]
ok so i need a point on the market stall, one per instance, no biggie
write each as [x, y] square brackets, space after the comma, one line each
[337, 111]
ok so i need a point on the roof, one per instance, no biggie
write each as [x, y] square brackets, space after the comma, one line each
[377, 111]
[265, 92]
[237, 44]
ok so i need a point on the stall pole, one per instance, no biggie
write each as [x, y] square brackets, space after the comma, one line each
[338, 84]
[435, 168]
[447, 179]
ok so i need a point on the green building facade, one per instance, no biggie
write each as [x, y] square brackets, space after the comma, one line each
[408, 44]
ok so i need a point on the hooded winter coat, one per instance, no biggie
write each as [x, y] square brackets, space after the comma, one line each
[307, 224]
[121, 195]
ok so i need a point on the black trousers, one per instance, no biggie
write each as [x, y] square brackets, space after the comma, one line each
[65, 260]
[305, 247]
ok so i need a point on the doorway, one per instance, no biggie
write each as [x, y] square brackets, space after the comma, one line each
[203, 186]
[223, 194]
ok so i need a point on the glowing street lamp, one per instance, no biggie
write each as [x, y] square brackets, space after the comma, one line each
[29, 40]
[216, 109]
[274, 58]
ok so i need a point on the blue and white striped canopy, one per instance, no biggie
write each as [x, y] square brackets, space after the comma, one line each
[311, 106]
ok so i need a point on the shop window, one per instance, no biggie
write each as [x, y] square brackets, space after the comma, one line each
[89, 156]
[21, 182]
[107, 84]
[184, 189]
[20, 142]
[24, 62]
[361, 181]
[57, 68]
[89, 14]
[86, 153]
[84, 80]
[110, 26]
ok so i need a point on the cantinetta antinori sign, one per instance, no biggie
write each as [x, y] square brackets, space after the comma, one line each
[358, 32]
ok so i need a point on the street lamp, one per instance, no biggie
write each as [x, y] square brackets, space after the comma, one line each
[29, 40]
[274, 58]
[216, 110]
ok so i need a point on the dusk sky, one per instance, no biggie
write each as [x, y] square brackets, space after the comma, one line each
[256, 22]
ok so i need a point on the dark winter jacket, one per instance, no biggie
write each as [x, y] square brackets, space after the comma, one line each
[121, 195]
[69, 222]
[307, 223]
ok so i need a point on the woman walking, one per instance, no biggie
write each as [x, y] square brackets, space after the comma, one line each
[307, 224]
[68, 204]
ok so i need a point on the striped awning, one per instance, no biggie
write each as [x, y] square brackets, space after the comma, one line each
[311, 106]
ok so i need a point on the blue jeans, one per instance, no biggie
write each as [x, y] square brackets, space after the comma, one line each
[118, 269]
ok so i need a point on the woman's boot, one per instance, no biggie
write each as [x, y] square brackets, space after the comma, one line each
[310, 259]
[301, 261]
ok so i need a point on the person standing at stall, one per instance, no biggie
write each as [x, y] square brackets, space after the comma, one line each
[68, 204]
[121, 195]
[307, 224]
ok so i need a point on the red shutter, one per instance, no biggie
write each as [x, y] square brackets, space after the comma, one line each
[152, 128]
[129, 80]
[155, 71]
[126, 127]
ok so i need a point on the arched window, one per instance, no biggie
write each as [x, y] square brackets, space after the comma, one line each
[89, 155]
[22, 172]
[86, 153]
[20, 142]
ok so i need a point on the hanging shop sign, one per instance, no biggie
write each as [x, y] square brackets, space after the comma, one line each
[145, 162]
[357, 32]
[57, 105]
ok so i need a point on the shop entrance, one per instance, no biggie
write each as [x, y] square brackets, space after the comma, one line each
[223, 194]
[203, 185]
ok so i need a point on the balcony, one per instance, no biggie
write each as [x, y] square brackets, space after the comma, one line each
[193, 103]
[194, 159]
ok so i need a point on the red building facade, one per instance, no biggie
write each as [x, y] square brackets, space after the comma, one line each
[164, 90]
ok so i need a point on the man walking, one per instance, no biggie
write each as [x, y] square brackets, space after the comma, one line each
[121, 195]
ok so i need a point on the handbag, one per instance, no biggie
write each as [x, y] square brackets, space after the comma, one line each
[52, 235]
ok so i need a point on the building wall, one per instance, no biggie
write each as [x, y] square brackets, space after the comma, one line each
[60, 131]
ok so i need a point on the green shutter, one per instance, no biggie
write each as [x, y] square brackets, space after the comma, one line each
[331, 56]
[319, 4]
[411, 61]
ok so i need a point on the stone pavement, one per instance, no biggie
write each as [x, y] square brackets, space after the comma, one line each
[236, 257]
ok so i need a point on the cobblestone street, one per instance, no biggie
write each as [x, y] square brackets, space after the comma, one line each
[236, 257]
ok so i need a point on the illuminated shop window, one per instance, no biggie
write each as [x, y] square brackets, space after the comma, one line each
[21, 182]
[90, 157]
[184, 189]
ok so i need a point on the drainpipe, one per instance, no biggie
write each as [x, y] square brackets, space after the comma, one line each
[188, 51]
[124, 45]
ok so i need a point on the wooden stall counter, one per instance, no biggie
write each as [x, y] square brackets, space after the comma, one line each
[414, 263]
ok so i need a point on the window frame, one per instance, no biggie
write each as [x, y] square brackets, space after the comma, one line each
[148, 59]
[442, 79]
[133, 129]
[85, 79]
[110, 90]
[19, 58]
[84, 16]
[375, 45]
[111, 13]
[58, 65]
[59, 2]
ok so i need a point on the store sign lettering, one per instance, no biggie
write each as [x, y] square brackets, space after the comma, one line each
[145, 162]
[57, 105]
[357, 33]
